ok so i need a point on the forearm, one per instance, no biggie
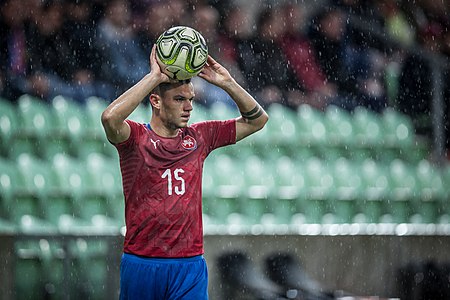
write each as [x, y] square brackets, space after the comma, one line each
[126, 103]
[247, 105]
[253, 117]
[114, 116]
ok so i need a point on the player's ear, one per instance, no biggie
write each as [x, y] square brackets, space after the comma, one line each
[155, 101]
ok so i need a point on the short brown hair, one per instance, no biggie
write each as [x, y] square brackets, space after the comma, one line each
[165, 86]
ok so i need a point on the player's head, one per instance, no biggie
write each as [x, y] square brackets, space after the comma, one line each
[172, 103]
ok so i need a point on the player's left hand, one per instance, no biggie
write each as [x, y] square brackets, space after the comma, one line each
[215, 73]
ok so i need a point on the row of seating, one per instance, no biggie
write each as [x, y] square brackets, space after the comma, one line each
[49, 189]
[319, 191]
[315, 190]
[49, 128]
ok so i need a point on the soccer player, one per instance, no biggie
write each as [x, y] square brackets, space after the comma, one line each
[161, 164]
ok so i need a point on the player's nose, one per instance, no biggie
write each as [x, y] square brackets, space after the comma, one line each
[188, 106]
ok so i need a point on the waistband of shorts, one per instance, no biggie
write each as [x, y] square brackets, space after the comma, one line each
[166, 260]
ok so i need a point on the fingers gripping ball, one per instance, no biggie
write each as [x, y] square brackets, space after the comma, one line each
[181, 52]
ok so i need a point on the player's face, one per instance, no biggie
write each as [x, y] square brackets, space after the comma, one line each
[176, 106]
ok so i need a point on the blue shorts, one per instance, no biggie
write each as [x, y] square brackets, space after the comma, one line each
[163, 278]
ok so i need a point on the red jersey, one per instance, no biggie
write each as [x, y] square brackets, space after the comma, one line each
[162, 185]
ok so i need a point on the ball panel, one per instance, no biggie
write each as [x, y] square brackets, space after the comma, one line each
[181, 52]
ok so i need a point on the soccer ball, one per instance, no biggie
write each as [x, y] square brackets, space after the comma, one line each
[181, 52]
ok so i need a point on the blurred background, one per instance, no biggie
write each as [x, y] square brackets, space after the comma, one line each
[345, 193]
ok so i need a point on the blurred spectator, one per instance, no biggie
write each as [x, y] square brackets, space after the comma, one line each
[124, 63]
[301, 57]
[14, 63]
[415, 84]
[86, 58]
[266, 68]
[49, 53]
[354, 69]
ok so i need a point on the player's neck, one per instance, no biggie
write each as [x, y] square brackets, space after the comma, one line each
[158, 127]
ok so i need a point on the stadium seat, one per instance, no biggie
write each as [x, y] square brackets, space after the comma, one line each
[222, 111]
[9, 180]
[403, 189]
[312, 129]
[199, 113]
[348, 190]
[74, 179]
[259, 189]
[72, 124]
[105, 179]
[375, 185]
[94, 109]
[37, 121]
[94, 139]
[42, 184]
[431, 192]
[9, 124]
[398, 129]
[290, 189]
[282, 127]
[319, 191]
[367, 128]
[339, 126]
[16, 199]
[228, 182]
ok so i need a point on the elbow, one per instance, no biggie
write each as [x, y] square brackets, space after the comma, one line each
[109, 120]
[106, 117]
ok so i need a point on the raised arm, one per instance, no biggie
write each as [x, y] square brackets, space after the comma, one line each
[253, 117]
[114, 116]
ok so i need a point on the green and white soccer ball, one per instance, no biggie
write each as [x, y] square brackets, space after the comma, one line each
[181, 52]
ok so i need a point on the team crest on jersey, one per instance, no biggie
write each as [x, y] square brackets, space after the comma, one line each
[189, 143]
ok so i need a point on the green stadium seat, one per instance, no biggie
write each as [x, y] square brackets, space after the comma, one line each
[282, 127]
[222, 111]
[17, 200]
[320, 189]
[42, 183]
[94, 138]
[37, 121]
[141, 114]
[74, 179]
[259, 189]
[290, 189]
[367, 128]
[375, 185]
[228, 182]
[8, 125]
[312, 129]
[403, 185]
[398, 129]
[105, 179]
[94, 109]
[339, 126]
[431, 192]
[71, 123]
[348, 190]
[199, 113]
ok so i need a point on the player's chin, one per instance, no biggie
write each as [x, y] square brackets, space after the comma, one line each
[183, 122]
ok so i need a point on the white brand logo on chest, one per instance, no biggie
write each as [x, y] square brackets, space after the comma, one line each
[154, 142]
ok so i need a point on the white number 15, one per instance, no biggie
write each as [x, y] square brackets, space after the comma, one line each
[180, 187]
